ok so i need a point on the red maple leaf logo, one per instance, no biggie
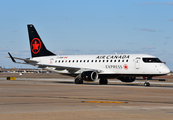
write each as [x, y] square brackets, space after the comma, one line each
[125, 66]
[35, 45]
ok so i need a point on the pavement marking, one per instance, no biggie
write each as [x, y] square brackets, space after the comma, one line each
[103, 102]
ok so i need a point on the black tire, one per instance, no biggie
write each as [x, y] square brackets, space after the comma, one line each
[78, 81]
[146, 84]
[103, 81]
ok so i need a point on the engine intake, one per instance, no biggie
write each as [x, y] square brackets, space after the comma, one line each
[127, 79]
[89, 75]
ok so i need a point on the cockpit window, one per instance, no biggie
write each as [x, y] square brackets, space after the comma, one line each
[151, 60]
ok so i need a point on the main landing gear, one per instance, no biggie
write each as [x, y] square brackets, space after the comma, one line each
[78, 81]
[146, 82]
[103, 81]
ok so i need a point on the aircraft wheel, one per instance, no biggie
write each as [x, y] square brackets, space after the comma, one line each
[78, 81]
[146, 84]
[103, 81]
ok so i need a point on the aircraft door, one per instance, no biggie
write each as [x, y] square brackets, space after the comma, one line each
[137, 62]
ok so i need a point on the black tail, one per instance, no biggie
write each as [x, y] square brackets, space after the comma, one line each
[37, 46]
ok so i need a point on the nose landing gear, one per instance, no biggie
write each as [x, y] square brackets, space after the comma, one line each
[146, 84]
[146, 81]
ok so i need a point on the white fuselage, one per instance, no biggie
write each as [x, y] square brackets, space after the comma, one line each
[130, 64]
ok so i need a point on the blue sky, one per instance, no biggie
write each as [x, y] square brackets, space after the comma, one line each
[88, 27]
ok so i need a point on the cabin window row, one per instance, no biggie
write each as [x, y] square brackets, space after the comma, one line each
[87, 61]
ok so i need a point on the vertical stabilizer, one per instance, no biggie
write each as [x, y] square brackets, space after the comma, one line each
[37, 46]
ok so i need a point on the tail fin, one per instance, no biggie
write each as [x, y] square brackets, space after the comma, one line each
[37, 46]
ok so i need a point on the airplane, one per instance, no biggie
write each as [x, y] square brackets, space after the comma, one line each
[125, 67]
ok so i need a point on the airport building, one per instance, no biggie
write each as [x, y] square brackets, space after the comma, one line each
[22, 70]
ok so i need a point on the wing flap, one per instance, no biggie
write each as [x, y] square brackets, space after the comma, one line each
[69, 69]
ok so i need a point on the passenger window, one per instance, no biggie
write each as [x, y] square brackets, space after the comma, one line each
[99, 60]
[114, 60]
[122, 60]
[84, 61]
[91, 60]
[103, 60]
[69, 61]
[118, 60]
[80, 60]
[87, 60]
[126, 60]
[76, 60]
[95, 60]
[107, 61]
[110, 60]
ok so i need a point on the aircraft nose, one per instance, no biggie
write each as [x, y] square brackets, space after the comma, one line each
[165, 70]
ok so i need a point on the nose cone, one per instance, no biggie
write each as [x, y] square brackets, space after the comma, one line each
[165, 70]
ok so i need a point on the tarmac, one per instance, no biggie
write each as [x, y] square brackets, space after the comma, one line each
[61, 99]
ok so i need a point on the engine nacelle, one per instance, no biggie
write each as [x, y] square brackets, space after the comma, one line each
[127, 79]
[89, 75]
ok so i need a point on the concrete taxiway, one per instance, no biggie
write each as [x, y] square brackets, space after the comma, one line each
[43, 99]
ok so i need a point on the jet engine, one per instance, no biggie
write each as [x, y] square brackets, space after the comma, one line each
[89, 75]
[127, 79]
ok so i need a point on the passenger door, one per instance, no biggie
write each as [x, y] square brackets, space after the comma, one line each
[137, 62]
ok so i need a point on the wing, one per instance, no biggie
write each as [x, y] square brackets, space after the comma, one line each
[57, 68]
[54, 68]
[70, 70]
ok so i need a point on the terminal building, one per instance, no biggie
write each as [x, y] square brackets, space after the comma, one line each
[22, 70]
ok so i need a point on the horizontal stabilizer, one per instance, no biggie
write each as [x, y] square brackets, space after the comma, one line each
[26, 60]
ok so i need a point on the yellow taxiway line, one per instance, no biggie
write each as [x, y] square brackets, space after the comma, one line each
[103, 102]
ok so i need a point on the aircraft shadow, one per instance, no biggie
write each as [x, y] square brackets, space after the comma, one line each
[110, 84]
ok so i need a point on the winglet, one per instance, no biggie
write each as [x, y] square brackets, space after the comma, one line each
[11, 57]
